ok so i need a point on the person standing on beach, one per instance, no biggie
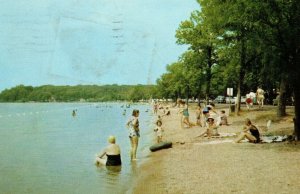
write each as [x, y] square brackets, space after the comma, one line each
[159, 131]
[155, 107]
[249, 101]
[199, 115]
[185, 117]
[134, 133]
[260, 97]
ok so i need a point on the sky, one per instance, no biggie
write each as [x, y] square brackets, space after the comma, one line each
[86, 42]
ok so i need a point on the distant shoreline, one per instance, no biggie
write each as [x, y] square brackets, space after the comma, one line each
[79, 93]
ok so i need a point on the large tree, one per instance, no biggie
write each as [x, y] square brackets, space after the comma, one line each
[202, 42]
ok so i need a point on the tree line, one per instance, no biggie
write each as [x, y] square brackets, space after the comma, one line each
[89, 93]
[238, 44]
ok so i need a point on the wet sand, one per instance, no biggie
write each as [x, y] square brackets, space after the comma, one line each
[200, 165]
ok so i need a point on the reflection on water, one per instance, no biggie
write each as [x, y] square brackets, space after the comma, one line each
[113, 170]
[134, 167]
[44, 149]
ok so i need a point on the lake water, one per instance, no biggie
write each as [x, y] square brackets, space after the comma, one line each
[44, 149]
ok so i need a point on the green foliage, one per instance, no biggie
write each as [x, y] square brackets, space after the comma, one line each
[90, 93]
[239, 44]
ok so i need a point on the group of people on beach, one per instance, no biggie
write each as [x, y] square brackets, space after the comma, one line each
[204, 117]
[207, 117]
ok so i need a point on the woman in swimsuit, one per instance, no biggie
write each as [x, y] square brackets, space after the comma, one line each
[111, 155]
[185, 117]
[250, 132]
[134, 133]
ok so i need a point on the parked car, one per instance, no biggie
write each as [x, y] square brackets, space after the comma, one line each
[243, 99]
[219, 99]
[289, 101]
[229, 100]
[232, 100]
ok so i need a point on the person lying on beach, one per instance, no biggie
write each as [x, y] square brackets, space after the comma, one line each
[250, 132]
[211, 129]
[167, 112]
[159, 131]
[111, 155]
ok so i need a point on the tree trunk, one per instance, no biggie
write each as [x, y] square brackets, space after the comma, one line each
[297, 111]
[199, 103]
[281, 111]
[241, 76]
[238, 99]
[187, 94]
[296, 87]
[208, 73]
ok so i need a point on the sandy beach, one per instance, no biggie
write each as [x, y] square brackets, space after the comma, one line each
[200, 165]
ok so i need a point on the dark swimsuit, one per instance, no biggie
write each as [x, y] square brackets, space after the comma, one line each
[254, 131]
[113, 160]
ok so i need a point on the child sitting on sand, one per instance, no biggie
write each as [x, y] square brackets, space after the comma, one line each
[159, 131]
[223, 118]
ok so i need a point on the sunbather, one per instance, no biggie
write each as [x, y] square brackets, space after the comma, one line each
[250, 132]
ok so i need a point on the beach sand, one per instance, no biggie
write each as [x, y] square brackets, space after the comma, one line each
[200, 165]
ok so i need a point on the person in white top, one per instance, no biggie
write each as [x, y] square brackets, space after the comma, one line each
[260, 97]
[159, 131]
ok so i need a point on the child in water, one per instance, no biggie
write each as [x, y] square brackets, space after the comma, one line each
[159, 131]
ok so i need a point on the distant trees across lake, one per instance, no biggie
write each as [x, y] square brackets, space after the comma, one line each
[88, 93]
